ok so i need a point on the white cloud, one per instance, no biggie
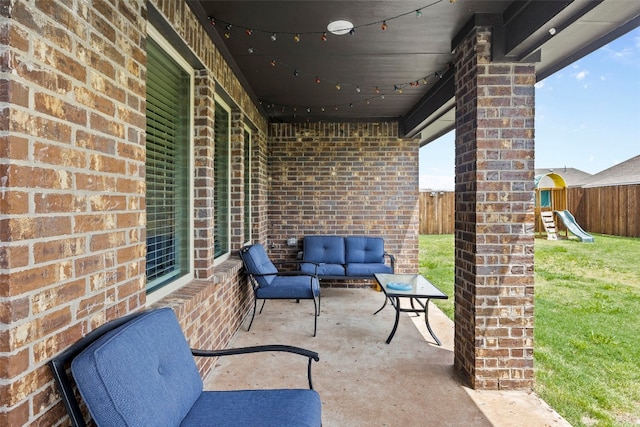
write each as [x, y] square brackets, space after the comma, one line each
[581, 75]
[437, 182]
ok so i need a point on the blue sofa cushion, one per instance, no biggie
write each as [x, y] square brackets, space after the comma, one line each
[324, 249]
[365, 269]
[289, 287]
[324, 269]
[257, 262]
[142, 373]
[264, 408]
[363, 249]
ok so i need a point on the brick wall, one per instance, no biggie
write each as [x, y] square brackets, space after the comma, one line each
[494, 217]
[345, 179]
[72, 156]
[72, 173]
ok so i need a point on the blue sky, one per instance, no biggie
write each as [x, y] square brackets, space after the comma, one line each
[587, 116]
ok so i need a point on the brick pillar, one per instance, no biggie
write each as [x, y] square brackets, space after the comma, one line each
[494, 217]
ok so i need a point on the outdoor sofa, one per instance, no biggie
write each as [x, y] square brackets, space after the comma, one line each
[334, 257]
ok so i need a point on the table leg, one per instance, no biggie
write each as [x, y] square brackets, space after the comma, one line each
[383, 305]
[426, 321]
[395, 325]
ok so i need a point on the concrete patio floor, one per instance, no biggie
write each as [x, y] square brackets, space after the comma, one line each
[363, 381]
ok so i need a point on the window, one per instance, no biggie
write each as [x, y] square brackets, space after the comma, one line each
[247, 186]
[221, 164]
[168, 167]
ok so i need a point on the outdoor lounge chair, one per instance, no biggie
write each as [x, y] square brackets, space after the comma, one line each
[139, 371]
[269, 283]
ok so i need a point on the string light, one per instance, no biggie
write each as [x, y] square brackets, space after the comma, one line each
[295, 73]
[317, 79]
[297, 35]
[296, 38]
[250, 50]
[273, 62]
[274, 37]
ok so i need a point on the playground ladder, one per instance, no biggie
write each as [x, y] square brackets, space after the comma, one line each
[549, 225]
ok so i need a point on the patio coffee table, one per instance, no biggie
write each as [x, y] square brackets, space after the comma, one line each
[412, 286]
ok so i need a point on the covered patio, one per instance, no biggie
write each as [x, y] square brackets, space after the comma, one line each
[143, 143]
[365, 382]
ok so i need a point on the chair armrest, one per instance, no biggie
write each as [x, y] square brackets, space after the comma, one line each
[311, 355]
[392, 259]
[285, 273]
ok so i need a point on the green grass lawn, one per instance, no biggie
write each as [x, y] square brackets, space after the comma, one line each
[587, 324]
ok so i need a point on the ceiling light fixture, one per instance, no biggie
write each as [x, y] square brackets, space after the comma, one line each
[340, 27]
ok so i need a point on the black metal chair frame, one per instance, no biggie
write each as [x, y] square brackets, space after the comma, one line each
[59, 365]
[255, 286]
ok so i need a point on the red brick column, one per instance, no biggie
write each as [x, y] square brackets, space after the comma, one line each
[494, 217]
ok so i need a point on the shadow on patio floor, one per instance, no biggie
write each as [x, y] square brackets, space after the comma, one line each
[361, 380]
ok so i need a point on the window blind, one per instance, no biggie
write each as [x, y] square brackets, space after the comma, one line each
[167, 163]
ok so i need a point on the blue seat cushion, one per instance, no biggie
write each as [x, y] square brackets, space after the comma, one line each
[142, 373]
[264, 408]
[324, 269]
[290, 287]
[257, 262]
[364, 249]
[324, 249]
[367, 269]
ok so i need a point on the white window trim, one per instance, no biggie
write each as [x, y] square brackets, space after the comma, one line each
[225, 256]
[157, 295]
[250, 168]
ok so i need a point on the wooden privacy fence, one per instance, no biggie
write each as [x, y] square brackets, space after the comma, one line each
[613, 210]
[437, 212]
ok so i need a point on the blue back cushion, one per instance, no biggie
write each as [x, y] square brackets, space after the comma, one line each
[141, 373]
[324, 249]
[256, 261]
[364, 249]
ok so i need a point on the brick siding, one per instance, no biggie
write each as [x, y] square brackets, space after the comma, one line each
[494, 218]
[345, 179]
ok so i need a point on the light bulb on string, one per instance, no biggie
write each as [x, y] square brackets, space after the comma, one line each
[418, 13]
[317, 79]
[358, 89]
[338, 86]
[248, 31]
[273, 62]
[384, 26]
[377, 89]
[295, 73]
[296, 38]
[324, 37]
[250, 50]
[212, 21]
[227, 35]
[352, 31]
[274, 37]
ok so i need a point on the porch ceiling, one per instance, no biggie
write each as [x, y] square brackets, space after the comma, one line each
[412, 49]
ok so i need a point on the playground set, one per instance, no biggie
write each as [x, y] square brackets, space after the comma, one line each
[551, 206]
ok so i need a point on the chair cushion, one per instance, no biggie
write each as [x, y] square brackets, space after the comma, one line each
[364, 249]
[323, 269]
[142, 373]
[289, 287]
[256, 261]
[324, 249]
[264, 408]
[365, 269]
